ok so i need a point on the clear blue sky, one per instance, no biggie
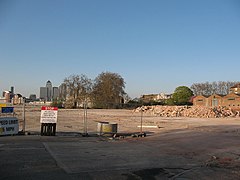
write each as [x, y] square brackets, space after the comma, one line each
[155, 45]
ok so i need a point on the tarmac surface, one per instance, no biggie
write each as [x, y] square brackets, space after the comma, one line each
[206, 152]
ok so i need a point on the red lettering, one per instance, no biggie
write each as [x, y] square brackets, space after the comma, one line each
[49, 108]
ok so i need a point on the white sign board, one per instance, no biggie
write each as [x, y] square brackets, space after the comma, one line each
[49, 114]
[8, 126]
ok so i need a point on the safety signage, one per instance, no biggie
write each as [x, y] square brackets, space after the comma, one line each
[8, 126]
[48, 114]
[3, 105]
[7, 109]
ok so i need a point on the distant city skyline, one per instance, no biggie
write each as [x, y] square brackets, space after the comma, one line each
[154, 45]
[49, 92]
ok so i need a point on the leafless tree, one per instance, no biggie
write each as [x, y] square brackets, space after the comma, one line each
[76, 89]
[220, 87]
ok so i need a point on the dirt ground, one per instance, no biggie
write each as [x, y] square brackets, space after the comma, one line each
[71, 120]
[176, 148]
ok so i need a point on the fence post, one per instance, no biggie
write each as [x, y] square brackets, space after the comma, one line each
[85, 106]
[24, 120]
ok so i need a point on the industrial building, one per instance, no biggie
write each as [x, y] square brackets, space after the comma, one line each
[230, 100]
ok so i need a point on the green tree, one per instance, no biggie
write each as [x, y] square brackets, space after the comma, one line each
[108, 90]
[169, 102]
[182, 95]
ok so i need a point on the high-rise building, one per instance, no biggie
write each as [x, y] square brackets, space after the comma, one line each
[43, 93]
[62, 91]
[49, 93]
[55, 93]
[49, 90]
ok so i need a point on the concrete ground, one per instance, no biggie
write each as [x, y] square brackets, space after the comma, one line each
[181, 148]
[180, 154]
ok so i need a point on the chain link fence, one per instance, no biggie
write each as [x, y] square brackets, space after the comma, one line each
[72, 120]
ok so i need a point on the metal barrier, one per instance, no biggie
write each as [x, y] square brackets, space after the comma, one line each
[74, 120]
[48, 129]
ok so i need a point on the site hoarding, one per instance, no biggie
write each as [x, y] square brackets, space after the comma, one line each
[48, 114]
[8, 126]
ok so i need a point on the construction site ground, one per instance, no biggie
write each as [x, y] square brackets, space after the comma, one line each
[175, 148]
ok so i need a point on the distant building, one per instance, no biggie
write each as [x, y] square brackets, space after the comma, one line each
[43, 93]
[235, 89]
[155, 97]
[55, 93]
[49, 90]
[32, 97]
[17, 99]
[230, 100]
[12, 92]
[62, 91]
[49, 93]
[7, 96]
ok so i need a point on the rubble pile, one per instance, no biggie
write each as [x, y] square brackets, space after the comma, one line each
[189, 111]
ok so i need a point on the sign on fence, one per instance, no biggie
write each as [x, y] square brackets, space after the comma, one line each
[3, 105]
[8, 126]
[49, 114]
[7, 109]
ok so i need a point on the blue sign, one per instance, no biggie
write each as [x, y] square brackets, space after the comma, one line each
[7, 109]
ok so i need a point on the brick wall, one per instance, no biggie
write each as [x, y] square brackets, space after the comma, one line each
[231, 100]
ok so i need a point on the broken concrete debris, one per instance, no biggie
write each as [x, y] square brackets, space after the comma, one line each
[190, 111]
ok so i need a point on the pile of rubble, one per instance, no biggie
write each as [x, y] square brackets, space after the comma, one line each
[189, 111]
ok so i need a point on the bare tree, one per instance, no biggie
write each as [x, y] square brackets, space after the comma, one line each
[76, 89]
[201, 88]
[220, 87]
